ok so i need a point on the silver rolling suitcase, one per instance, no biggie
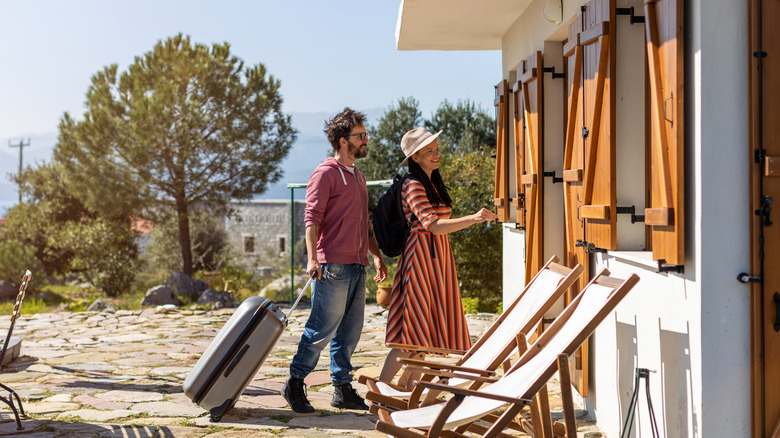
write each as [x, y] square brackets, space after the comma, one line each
[232, 359]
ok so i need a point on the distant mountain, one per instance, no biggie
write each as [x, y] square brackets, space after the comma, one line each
[307, 152]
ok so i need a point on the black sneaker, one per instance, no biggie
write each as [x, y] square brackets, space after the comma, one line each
[345, 397]
[294, 391]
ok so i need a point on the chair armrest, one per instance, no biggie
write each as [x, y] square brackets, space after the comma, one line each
[466, 392]
[365, 379]
[443, 366]
[409, 347]
[448, 374]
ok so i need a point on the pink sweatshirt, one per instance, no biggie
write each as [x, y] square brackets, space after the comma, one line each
[337, 202]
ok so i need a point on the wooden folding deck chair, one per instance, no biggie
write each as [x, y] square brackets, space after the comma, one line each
[492, 349]
[468, 409]
[12, 395]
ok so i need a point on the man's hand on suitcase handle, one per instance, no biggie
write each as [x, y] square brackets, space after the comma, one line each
[314, 269]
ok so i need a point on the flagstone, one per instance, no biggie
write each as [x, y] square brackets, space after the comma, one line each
[46, 409]
[99, 403]
[129, 396]
[168, 409]
[164, 371]
[88, 357]
[64, 398]
[338, 424]
[132, 337]
[97, 415]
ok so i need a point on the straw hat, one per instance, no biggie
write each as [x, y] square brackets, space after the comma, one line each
[415, 140]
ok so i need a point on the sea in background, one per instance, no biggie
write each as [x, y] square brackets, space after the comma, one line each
[309, 149]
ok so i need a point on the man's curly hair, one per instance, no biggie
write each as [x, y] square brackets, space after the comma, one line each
[341, 125]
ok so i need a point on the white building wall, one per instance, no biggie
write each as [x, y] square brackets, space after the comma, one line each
[721, 51]
[690, 329]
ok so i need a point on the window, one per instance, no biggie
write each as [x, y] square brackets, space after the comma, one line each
[249, 244]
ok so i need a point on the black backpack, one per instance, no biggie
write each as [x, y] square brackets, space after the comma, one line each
[390, 226]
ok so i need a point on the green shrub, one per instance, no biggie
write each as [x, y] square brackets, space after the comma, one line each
[470, 304]
[15, 259]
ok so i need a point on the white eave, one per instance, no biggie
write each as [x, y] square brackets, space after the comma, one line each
[455, 24]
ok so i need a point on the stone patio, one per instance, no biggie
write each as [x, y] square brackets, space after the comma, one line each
[120, 375]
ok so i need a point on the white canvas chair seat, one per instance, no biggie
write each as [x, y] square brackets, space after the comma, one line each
[534, 367]
[499, 342]
[532, 300]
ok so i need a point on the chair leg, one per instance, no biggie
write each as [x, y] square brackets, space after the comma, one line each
[544, 408]
[9, 402]
[566, 396]
[536, 418]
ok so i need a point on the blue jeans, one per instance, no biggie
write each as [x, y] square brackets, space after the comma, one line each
[338, 303]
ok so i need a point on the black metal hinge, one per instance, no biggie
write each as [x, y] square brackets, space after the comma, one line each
[759, 155]
[590, 248]
[633, 19]
[765, 210]
[632, 211]
[555, 179]
[585, 132]
[554, 75]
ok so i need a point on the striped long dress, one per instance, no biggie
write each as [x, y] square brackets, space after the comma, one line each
[425, 307]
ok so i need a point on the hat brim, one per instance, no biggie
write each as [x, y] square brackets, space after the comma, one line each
[424, 143]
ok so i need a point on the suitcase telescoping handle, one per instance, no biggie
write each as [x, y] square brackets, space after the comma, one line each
[303, 291]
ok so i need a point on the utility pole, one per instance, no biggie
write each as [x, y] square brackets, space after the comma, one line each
[21, 146]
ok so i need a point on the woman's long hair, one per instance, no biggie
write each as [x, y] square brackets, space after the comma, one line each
[437, 195]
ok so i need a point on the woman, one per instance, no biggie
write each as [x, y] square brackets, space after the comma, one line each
[425, 307]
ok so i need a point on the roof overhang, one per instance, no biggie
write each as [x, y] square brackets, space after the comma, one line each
[455, 24]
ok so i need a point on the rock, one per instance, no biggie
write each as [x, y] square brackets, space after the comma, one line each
[183, 284]
[217, 299]
[7, 290]
[159, 295]
[99, 305]
[279, 289]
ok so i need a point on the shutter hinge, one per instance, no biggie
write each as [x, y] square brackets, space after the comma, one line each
[765, 210]
[759, 54]
[632, 211]
[554, 75]
[633, 19]
[590, 248]
[759, 155]
[555, 179]
[746, 278]
[585, 132]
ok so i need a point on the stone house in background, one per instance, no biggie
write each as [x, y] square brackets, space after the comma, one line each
[261, 229]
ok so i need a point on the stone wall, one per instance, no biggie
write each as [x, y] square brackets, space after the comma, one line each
[260, 229]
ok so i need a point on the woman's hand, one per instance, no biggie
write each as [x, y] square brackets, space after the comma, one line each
[381, 269]
[484, 215]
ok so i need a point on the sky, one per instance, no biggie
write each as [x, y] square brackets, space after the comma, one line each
[327, 54]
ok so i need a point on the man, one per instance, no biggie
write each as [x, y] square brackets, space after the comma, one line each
[338, 234]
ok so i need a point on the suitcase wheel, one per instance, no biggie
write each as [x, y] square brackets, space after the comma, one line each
[217, 412]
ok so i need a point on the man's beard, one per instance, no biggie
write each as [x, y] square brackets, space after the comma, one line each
[357, 152]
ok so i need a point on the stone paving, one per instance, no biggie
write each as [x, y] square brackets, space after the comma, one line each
[119, 374]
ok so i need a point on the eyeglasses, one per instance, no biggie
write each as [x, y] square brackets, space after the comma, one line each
[362, 135]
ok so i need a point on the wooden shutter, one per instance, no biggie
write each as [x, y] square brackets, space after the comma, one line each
[531, 179]
[501, 189]
[764, 132]
[664, 214]
[520, 135]
[589, 155]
